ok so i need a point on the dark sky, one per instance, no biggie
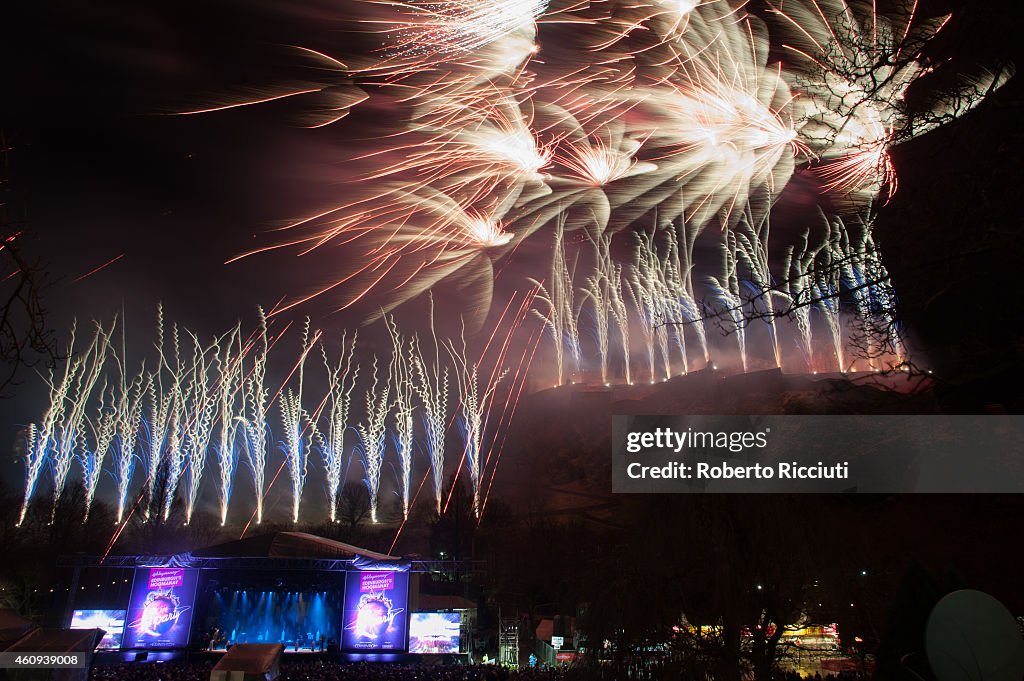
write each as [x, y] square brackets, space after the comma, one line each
[102, 173]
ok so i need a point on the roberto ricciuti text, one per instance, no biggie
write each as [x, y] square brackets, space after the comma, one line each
[676, 470]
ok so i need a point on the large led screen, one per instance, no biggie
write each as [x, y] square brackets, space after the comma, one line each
[375, 617]
[434, 633]
[302, 620]
[110, 621]
[160, 610]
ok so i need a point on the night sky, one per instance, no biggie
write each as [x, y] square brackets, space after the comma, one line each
[102, 173]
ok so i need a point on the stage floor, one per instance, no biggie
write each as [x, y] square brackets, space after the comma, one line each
[289, 650]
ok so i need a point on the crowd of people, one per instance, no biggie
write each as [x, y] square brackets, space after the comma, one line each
[319, 670]
[151, 671]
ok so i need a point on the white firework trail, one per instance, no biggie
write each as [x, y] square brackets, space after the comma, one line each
[597, 291]
[129, 406]
[559, 313]
[676, 311]
[414, 239]
[104, 428]
[659, 278]
[70, 432]
[647, 292]
[174, 425]
[255, 397]
[41, 439]
[227, 358]
[866, 279]
[826, 291]
[430, 381]
[175, 461]
[295, 422]
[726, 289]
[679, 263]
[200, 404]
[620, 314]
[372, 431]
[878, 298]
[421, 34]
[402, 408]
[474, 405]
[752, 251]
[796, 288]
[161, 424]
[341, 381]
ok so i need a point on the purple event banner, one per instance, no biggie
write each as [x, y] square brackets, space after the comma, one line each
[160, 610]
[375, 611]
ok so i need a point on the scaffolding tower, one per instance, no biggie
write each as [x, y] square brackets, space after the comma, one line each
[508, 642]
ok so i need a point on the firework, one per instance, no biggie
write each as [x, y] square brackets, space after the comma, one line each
[129, 406]
[69, 435]
[598, 291]
[294, 422]
[104, 427]
[168, 465]
[620, 314]
[679, 263]
[411, 241]
[41, 439]
[675, 310]
[796, 288]
[726, 289]
[647, 291]
[422, 34]
[507, 126]
[197, 424]
[826, 289]
[401, 379]
[430, 381]
[341, 380]
[597, 167]
[752, 252]
[719, 120]
[853, 67]
[227, 354]
[254, 419]
[876, 335]
[203, 402]
[559, 314]
[162, 410]
[468, 142]
[323, 100]
[372, 431]
[475, 400]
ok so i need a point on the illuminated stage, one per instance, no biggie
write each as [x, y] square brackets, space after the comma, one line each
[302, 621]
[314, 595]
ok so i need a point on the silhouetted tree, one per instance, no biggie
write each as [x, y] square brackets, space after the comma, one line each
[25, 338]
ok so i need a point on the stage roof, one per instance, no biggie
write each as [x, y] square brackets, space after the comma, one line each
[287, 545]
[57, 641]
[12, 627]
